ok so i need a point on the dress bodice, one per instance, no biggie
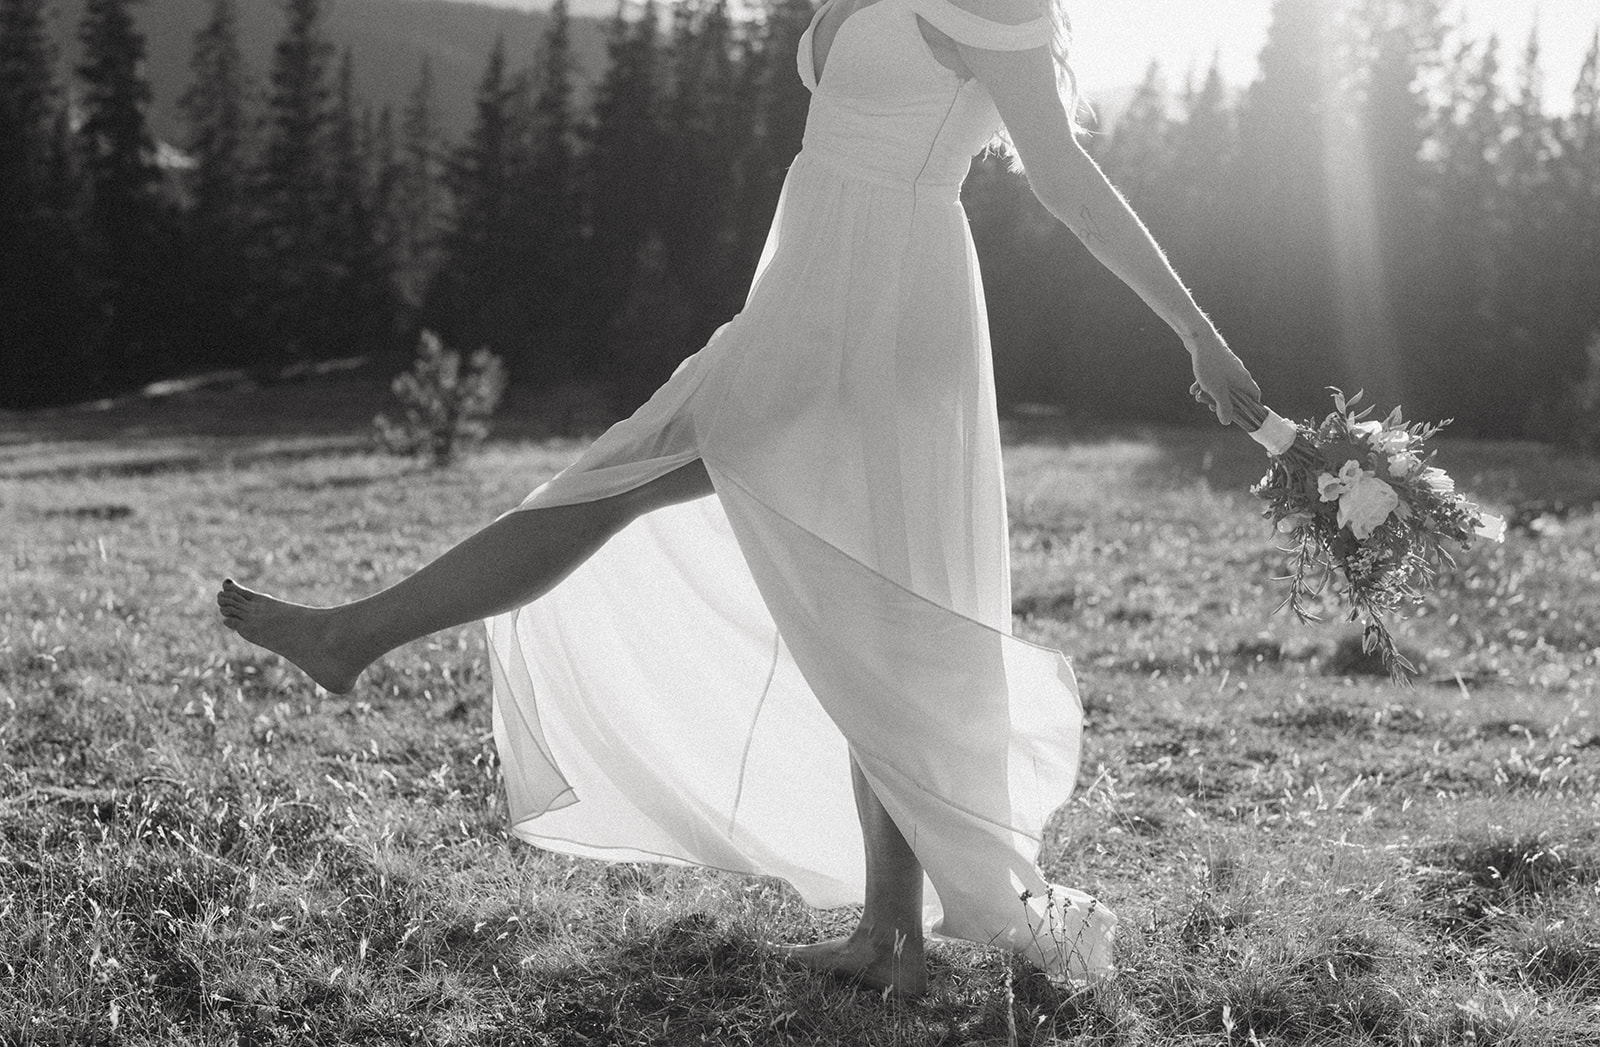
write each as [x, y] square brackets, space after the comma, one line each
[885, 107]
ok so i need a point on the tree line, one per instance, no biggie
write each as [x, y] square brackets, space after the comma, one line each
[1376, 209]
[296, 223]
[1387, 206]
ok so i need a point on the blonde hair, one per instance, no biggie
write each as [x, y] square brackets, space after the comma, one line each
[1061, 50]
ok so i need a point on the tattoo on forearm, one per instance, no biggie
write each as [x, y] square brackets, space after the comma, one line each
[1090, 231]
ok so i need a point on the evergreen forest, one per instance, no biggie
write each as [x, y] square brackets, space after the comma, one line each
[1389, 205]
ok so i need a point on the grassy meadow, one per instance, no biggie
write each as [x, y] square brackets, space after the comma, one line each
[197, 847]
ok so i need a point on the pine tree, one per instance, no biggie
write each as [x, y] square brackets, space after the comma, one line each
[1578, 279]
[28, 100]
[685, 282]
[125, 212]
[216, 107]
[776, 100]
[1470, 217]
[42, 283]
[1536, 365]
[473, 302]
[295, 179]
[1580, 180]
[381, 148]
[1573, 271]
[359, 278]
[553, 124]
[119, 153]
[420, 201]
[1138, 156]
[220, 218]
[702, 162]
[621, 180]
[1385, 271]
[1580, 135]
[1279, 217]
[550, 207]
[1202, 156]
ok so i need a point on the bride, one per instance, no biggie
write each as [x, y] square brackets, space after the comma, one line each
[763, 624]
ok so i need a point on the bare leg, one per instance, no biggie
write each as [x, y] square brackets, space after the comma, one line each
[507, 564]
[515, 560]
[885, 951]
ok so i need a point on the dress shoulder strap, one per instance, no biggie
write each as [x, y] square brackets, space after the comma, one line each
[961, 21]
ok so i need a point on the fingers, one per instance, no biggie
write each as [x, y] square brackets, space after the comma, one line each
[1242, 406]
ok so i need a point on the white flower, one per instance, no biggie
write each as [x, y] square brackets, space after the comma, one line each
[1367, 505]
[1367, 429]
[1402, 464]
[1391, 440]
[1330, 486]
[1490, 527]
[1439, 480]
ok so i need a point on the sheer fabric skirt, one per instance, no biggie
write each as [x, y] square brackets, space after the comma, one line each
[693, 693]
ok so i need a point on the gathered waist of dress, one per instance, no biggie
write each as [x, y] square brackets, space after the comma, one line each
[876, 172]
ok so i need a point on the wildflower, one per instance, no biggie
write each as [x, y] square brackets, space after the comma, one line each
[1440, 481]
[1331, 487]
[1489, 526]
[1402, 464]
[1366, 505]
[1387, 440]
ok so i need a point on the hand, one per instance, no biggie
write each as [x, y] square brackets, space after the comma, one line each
[1222, 382]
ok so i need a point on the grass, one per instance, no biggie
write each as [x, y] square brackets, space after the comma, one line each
[197, 847]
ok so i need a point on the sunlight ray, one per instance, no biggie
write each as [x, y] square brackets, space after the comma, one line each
[1367, 340]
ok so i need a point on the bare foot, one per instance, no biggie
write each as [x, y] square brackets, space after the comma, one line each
[307, 636]
[896, 964]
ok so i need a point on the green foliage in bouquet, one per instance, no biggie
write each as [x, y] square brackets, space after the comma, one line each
[447, 405]
[1367, 510]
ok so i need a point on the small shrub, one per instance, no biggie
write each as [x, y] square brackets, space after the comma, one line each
[447, 405]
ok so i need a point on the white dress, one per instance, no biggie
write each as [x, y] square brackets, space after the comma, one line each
[693, 692]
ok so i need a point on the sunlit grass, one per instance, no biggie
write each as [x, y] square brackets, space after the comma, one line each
[195, 846]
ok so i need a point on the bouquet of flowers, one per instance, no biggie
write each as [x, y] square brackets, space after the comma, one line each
[1364, 506]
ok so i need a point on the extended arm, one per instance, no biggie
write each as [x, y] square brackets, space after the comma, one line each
[1072, 187]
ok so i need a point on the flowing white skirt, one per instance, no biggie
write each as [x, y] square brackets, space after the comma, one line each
[694, 691]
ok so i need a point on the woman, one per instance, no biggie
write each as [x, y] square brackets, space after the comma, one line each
[788, 570]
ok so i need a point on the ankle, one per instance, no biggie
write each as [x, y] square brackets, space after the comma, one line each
[345, 634]
[888, 936]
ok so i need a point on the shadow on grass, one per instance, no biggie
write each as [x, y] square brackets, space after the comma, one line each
[696, 979]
